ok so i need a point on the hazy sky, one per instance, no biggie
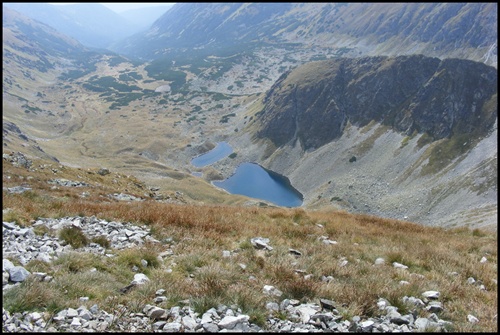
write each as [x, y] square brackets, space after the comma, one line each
[121, 7]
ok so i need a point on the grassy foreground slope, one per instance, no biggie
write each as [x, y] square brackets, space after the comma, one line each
[197, 235]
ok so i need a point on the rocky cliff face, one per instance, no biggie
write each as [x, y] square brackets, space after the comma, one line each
[315, 102]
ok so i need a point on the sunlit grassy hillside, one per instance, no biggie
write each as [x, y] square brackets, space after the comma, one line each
[200, 276]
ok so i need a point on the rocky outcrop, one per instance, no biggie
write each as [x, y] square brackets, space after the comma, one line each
[315, 102]
[23, 245]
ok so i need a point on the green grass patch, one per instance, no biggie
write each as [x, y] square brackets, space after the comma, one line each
[225, 118]
[447, 150]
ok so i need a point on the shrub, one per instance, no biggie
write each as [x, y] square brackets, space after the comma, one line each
[246, 244]
[212, 281]
[405, 141]
[477, 232]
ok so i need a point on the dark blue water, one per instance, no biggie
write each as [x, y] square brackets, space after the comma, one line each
[254, 181]
[220, 151]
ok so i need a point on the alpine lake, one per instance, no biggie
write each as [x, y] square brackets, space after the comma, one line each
[252, 180]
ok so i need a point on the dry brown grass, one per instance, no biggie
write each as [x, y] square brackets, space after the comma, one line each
[197, 235]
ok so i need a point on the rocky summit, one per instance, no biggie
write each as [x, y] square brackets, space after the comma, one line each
[23, 245]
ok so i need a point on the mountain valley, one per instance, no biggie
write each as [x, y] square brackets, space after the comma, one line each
[383, 118]
[149, 119]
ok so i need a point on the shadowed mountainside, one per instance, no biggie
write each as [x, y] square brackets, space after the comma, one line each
[315, 102]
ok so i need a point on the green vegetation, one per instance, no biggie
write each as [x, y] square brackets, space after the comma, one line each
[108, 82]
[124, 99]
[116, 60]
[161, 70]
[102, 241]
[31, 109]
[94, 88]
[447, 150]
[368, 143]
[85, 61]
[225, 118]
[220, 96]
[405, 141]
[424, 140]
[131, 76]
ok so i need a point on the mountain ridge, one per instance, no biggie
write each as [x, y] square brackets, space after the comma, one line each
[363, 28]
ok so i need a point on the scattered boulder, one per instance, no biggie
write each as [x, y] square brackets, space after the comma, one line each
[431, 294]
[140, 278]
[261, 243]
[103, 171]
[271, 290]
[18, 274]
[399, 265]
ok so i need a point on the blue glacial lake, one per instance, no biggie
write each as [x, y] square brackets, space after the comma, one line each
[222, 150]
[254, 181]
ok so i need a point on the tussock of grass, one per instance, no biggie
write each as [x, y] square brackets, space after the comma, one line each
[74, 262]
[133, 257]
[198, 274]
[34, 295]
[102, 241]
[73, 236]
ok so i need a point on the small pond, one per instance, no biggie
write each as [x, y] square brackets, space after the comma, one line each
[254, 181]
[222, 150]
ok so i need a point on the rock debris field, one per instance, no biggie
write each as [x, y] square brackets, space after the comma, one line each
[21, 245]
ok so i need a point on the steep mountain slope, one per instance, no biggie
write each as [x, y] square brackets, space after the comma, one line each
[462, 30]
[33, 54]
[408, 137]
[92, 24]
[95, 109]
[37, 60]
[314, 103]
